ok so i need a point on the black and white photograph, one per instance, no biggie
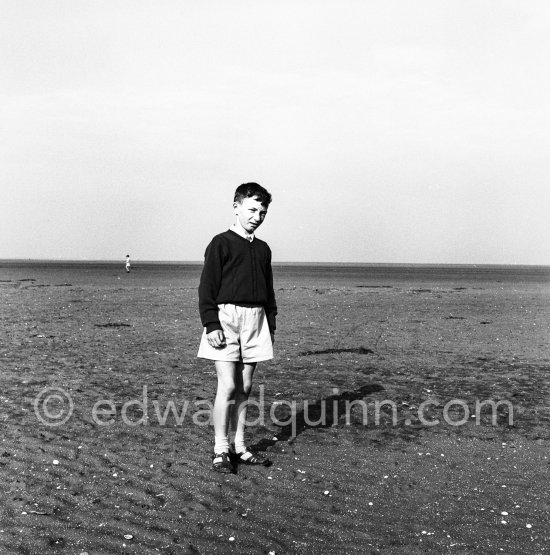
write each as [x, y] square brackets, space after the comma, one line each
[274, 277]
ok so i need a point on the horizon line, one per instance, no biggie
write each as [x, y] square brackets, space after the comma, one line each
[274, 263]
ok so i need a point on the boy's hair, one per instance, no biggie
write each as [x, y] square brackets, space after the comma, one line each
[252, 190]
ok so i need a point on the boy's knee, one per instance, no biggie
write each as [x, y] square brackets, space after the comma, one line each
[228, 391]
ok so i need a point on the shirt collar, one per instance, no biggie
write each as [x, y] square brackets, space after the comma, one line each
[240, 231]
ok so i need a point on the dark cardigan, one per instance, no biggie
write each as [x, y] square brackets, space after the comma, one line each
[236, 271]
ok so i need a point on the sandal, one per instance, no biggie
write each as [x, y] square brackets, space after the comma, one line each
[222, 464]
[250, 457]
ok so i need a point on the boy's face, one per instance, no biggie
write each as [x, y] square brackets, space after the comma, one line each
[250, 213]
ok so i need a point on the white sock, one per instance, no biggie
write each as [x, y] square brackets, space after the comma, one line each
[240, 445]
[221, 444]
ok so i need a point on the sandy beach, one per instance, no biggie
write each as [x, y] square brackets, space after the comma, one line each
[376, 413]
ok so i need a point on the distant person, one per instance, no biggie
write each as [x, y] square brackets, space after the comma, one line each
[237, 309]
[128, 265]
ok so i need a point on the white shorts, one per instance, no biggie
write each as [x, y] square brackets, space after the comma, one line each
[247, 337]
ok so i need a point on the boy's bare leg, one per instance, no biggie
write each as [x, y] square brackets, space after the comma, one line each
[243, 382]
[230, 406]
[225, 399]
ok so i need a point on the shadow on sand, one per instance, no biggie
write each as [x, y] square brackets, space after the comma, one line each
[323, 413]
[357, 351]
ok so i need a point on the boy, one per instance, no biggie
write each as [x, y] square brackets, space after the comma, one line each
[128, 265]
[237, 308]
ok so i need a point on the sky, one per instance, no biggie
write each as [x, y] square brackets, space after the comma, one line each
[387, 131]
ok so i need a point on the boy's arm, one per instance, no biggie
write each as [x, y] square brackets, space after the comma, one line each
[271, 306]
[209, 286]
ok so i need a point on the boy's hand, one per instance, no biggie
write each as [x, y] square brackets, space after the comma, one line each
[216, 338]
[272, 338]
